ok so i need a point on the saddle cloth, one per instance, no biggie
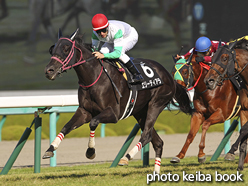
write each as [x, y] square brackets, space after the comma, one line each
[151, 80]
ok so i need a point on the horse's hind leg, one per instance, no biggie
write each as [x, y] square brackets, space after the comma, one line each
[146, 125]
[79, 118]
[158, 144]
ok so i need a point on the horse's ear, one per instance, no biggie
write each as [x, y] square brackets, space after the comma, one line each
[59, 34]
[174, 59]
[74, 34]
[219, 43]
[190, 58]
[232, 44]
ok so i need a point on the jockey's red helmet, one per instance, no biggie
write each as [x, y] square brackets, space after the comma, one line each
[99, 21]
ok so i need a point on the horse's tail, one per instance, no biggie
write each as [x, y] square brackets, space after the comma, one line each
[182, 100]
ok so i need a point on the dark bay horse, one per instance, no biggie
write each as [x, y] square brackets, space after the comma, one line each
[99, 102]
[211, 106]
[228, 62]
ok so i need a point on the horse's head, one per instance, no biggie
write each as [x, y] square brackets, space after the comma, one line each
[223, 64]
[183, 72]
[63, 56]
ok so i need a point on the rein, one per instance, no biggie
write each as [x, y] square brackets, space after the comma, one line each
[203, 65]
[196, 81]
[94, 81]
[241, 70]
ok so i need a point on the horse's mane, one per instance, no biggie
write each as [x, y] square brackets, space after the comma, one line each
[79, 38]
[241, 44]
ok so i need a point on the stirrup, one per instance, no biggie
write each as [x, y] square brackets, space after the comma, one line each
[137, 79]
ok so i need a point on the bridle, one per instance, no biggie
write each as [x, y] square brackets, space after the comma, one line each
[225, 67]
[188, 81]
[69, 58]
[228, 68]
[65, 63]
[181, 67]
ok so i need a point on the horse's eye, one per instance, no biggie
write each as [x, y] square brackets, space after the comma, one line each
[224, 59]
[184, 73]
[66, 49]
[51, 49]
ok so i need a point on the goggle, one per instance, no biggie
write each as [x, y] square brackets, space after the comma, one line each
[203, 53]
[101, 30]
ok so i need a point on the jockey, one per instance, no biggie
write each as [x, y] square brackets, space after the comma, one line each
[112, 39]
[204, 48]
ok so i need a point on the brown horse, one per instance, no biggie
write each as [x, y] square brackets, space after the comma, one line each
[211, 106]
[228, 62]
[99, 102]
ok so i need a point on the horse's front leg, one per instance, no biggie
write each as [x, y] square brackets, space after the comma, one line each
[216, 117]
[80, 117]
[106, 116]
[196, 121]
[242, 152]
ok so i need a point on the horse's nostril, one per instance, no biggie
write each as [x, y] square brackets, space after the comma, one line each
[50, 70]
[210, 81]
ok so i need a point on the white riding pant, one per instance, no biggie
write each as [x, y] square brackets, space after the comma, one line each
[128, 44]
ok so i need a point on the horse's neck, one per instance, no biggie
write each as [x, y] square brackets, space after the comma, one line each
[89, 71]
[242, 67]
[199, 75]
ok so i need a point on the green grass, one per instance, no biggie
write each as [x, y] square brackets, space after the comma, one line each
[134, 174]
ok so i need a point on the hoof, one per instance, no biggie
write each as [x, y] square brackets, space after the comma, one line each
[48, 154]
[123, 162]
[202, 159]
[91, 153]
[175, 160]
[229, 157]
[239, 168]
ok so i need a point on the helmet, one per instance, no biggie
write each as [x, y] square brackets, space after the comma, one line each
[99, 21]
[202, 44]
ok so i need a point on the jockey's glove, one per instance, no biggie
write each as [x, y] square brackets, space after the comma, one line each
[199, 59]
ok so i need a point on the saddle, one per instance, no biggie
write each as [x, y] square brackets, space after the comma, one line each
[151, 80]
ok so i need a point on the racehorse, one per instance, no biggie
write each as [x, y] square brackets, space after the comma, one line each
[99, 103]
[211, 106]
[228, 62]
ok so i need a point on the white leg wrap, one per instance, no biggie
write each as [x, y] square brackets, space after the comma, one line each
[157, 165]
[135, 150]
[125, 158]
[57, 140]
[91, 143]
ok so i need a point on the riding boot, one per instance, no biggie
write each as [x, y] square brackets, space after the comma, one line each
[137, 77]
